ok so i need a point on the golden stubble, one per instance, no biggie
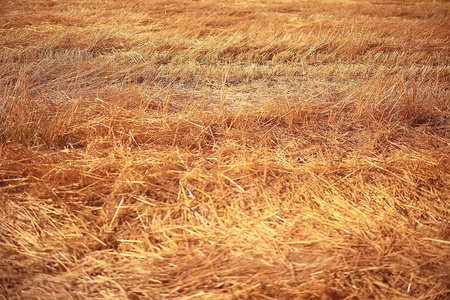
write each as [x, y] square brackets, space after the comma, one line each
[224, 149]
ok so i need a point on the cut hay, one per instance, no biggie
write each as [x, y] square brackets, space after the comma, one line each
[224, 150]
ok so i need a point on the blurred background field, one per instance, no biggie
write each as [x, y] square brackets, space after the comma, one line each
[224, 149]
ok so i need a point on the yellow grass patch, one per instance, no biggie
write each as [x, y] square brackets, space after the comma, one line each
[224, 149]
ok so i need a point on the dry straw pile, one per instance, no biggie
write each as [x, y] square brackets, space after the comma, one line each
[224, 149]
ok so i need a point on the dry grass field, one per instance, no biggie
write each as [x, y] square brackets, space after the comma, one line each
[224, 149]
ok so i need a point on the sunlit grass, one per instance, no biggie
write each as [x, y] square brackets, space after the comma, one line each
[224, 150]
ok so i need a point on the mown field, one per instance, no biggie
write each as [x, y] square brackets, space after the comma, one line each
[224, 149]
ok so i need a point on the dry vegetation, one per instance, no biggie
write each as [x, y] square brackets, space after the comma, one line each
[224, 149]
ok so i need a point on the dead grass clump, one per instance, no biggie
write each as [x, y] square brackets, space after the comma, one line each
[34, 120]
[389, 99]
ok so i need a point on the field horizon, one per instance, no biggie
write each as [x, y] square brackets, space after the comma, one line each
[224, 149]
